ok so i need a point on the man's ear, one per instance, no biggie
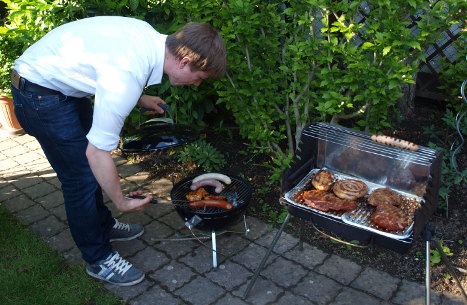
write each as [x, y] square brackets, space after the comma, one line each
[184, 61]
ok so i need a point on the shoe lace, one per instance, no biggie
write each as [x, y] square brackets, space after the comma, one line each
[118, 264]
[121, 226]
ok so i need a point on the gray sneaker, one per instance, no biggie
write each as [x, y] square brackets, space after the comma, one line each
[115, 270]
[123, 231]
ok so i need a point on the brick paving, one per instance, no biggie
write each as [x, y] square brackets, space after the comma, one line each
[179, 268]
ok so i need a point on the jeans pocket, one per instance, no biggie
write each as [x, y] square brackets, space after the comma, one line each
[48, 102]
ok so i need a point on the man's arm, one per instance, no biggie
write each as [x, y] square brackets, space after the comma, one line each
[104, 170]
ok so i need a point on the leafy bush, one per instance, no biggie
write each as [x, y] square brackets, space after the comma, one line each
[203, 155]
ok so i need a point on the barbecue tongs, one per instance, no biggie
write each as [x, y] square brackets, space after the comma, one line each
[230, 197]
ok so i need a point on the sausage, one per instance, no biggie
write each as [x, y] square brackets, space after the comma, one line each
[199, 204]
[215, 176]
[208, 182]
[394, 142]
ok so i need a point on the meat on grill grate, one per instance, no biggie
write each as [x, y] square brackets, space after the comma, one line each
[324, 201]
[390, 217]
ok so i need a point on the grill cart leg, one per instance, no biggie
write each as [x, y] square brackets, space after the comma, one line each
[266, 256]
[214, 250]
[427, 235]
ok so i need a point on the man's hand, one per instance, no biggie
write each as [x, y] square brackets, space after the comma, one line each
[104, 170]
[151, 102]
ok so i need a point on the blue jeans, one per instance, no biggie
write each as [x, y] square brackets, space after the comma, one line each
[60, 124]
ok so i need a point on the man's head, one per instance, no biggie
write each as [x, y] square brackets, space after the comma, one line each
[201, 48]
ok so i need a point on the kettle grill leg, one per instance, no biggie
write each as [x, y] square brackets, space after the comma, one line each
[214, 250]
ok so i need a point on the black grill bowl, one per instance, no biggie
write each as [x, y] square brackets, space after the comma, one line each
[214, 218]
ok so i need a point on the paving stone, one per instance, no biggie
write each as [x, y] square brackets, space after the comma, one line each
[256, 228]
[452, 299]
[32, 214]
[128, 169]
[200, 291]
[252, 255]
[156, 231]
[135, 218]
[14, 174]
[27, 157]
[55, 182]
[74, 257]
[27, 181]
[285, 273]
[39, 190]
[149, 259]
[377, 283]
[156, 295]
[173, 220]
[351, 297]
[231, 244]
[317, 288]
[51, 200]
[176, 247]
[129, 247]
[129, 292]
[158, 210]
[160, 188]
[8, 164]
[173, 275]
[18, 203]
[231, 300]
[48, 227]
[263, 292]
[410, 293]
[200, 259]
[9, 192]
[292, 299]
[309, 256]
[340, 269]
[139, 178]
[14, 151]
[229, 275]
[62, 242]
[118, 160]
[60, 213]
[285, 243]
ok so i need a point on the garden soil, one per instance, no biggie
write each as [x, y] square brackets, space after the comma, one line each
[450, 224]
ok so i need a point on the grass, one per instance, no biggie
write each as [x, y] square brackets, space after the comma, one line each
[34, 274]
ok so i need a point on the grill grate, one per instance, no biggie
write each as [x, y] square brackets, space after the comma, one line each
[238, 189]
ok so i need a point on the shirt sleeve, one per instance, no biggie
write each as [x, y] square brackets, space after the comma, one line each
[117, 93]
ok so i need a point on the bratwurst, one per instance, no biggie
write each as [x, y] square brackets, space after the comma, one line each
[218, 186]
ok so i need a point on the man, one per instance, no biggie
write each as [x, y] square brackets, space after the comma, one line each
[111, 58]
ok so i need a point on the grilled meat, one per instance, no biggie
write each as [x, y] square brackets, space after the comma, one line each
[350, 189]
[323, 180]
[384, 196]
[202, 194]
[390, 217]
[199, 194]
[324, 201]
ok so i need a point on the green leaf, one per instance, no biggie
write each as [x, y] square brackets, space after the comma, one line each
[367, 45]
[386, 50]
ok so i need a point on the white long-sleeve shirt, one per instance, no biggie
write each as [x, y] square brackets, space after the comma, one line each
[110, 57]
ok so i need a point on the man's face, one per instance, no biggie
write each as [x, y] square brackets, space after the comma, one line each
[182, 75]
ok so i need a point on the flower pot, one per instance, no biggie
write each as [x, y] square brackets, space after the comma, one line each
[9, 123]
